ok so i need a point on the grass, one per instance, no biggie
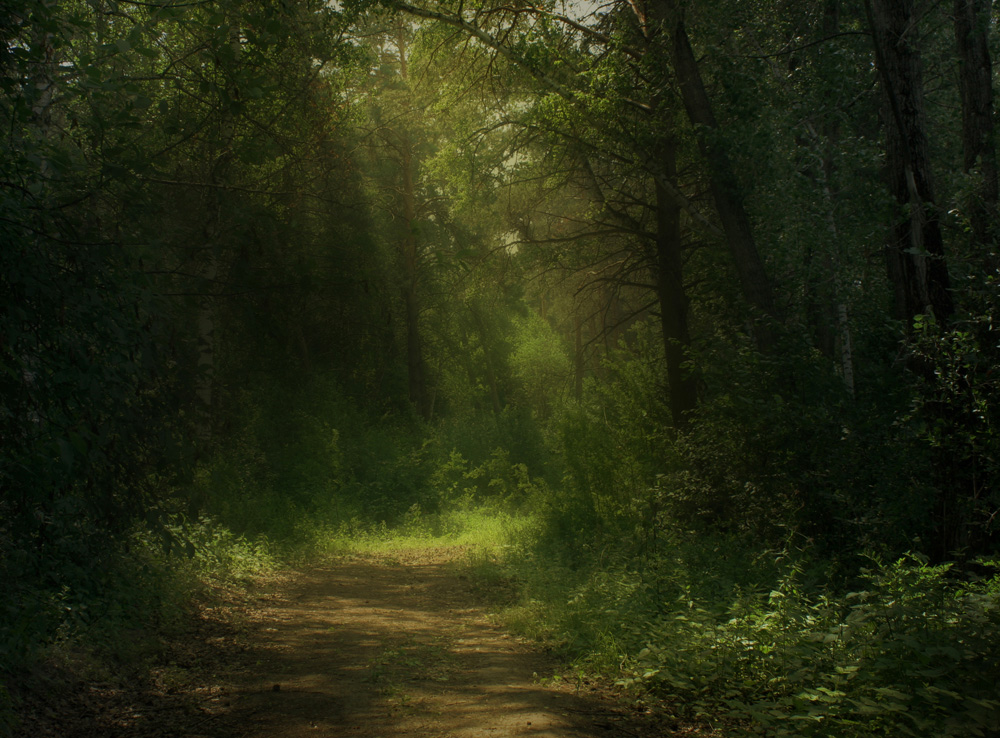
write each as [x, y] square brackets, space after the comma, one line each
[483, 531]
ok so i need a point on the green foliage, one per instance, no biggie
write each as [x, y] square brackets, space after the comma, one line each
[539, 364]
[154, 170]
[143, 583]
[496, 482]
[218, 553]
[747, 458]
[910, 654]
[305, 464]
[954, 420]
[612, 449]
[912, 651]
[672, 561]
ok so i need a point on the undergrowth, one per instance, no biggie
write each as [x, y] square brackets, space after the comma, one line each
[910, 651]
[108, 624]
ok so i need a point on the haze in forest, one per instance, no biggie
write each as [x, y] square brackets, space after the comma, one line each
[680, 315]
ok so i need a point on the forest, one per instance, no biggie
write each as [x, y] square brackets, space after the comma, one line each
[683, 310]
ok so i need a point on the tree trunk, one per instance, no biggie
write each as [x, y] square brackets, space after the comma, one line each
[206, 351]
[827, 314]
[846, 352]
[416, 373]
[756, 286]
[975, 74]
[578, 357]
[915, 253]
[408, 252]
[212, 249]
[43, 86]
[612, 324]
[673, 299]
[822, 264]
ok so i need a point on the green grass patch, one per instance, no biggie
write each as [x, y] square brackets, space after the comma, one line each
[485, 530]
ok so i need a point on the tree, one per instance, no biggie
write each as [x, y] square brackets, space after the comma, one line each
[398, 131]
[915, 252]
[726, 190]
[589, 145]
[975, 82]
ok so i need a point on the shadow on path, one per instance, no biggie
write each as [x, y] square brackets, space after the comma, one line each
[374, 649]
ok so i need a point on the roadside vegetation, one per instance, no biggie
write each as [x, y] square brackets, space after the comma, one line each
[777, 639]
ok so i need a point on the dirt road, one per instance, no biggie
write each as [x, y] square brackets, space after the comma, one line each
[387, 649]
[374, 647]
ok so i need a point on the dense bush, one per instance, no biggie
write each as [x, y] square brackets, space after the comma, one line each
[911, 652]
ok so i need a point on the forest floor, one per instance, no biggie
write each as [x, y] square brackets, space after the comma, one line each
[375, 646]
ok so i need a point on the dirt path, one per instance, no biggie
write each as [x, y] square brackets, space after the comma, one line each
[384, 649]
[364, 647]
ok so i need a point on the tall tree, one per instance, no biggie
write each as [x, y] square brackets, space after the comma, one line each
[916, 259]
[593, 147]
[726, 190]
[975, 83]
[397, 139]
[416, 367]
[674, 304]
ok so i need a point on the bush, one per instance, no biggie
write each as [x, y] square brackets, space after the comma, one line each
[912, 653]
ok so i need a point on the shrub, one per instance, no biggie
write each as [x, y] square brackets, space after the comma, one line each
[912, 653]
